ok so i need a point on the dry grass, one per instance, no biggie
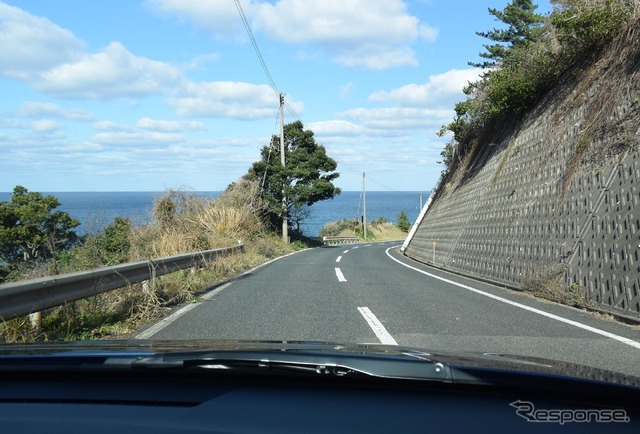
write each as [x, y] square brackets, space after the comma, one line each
[387, 232]
[549, 283]
[375, 231]
[182, 222]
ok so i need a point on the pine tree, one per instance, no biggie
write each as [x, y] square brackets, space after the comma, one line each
[524, 26]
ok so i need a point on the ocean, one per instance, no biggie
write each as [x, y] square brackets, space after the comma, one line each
[95, 210]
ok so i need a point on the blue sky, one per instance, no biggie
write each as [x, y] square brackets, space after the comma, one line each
[126, 95]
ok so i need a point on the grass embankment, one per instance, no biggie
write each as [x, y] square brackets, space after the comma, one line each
[181, 223]
[378, 230]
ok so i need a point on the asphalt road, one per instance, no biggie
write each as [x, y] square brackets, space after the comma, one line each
[368, 293]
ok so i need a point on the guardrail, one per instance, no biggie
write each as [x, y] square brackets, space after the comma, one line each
[339, 240]
[35, 295]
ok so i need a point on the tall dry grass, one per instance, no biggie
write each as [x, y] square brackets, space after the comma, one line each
[182, 222]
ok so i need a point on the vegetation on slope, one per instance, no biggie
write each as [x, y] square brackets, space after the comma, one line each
[528, 59]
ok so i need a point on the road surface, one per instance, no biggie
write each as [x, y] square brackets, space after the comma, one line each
[366, 293]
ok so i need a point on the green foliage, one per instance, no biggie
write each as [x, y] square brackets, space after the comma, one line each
[31, 231]
[307, 178]
[528, 60]
[164, 210]
[298, 245]
[114, 243]
[110, 247]
[584, 25]
[524, 26]
[360, 233]
[403, 222]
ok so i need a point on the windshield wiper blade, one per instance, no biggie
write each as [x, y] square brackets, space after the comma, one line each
[305, 364]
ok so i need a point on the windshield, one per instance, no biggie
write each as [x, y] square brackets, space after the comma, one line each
[449, 176]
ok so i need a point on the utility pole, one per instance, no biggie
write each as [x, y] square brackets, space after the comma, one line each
[364, 206]
[285, 222]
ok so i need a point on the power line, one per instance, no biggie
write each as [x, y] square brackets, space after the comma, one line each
[288, 106]
[256, 47]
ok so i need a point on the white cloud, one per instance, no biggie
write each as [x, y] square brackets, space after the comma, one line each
[31, 45]
[53, 60]
[220, 17]
[398, 119]
[337, 22]
[110, 126]
[136, 138]
[36, 109]
[229, 99]
[335, 127]
[374, 34]
[198, 61]
[113, 72]
[222, 141]
[442, 89]
[44, 125]
[12, 123]
[83, 147]
[428, 33]
[378, 57]
[164, 125]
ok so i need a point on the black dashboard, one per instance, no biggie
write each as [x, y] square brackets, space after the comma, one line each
[198, 401]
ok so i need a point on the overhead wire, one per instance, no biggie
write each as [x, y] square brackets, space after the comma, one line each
[247, 27]
[288, 106]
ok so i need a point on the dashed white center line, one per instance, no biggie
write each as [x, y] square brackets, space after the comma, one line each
[338, 258]
[356, 247]
[377, 326]
[340, 275]
[345, 251]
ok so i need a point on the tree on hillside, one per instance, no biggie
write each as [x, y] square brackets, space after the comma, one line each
[403, 222]
[524, 25]
[31, 230]
[307, 178]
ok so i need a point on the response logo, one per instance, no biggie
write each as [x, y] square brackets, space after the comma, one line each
[527, 411]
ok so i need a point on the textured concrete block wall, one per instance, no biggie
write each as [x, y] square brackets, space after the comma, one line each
[557, 197]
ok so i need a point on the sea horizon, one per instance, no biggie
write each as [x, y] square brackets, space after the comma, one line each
[96, 209]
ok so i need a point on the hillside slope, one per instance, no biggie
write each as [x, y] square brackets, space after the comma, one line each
[555, 199]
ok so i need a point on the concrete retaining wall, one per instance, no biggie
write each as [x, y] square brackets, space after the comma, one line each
[560, 195]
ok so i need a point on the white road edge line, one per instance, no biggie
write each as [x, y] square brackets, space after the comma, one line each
[338, 258]
[177, 314]
[165, 322]
[340, 275]
[613, 336]
[377, 326]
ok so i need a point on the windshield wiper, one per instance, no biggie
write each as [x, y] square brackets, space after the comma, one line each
[305, 364]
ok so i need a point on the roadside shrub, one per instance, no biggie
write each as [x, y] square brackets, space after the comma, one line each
[334, 229]
[110, 247]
